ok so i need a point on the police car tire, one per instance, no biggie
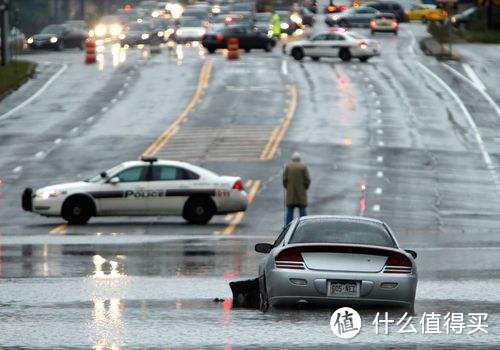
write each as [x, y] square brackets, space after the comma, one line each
[297, 53]
[77, 211]
[345, 55]
[198, 210]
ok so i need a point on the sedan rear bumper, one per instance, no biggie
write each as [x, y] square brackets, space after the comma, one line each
[281, 291]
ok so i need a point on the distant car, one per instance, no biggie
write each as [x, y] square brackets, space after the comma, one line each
[248, 39]
[424, 13]
[287, 25]
[354, 17]
[57, 37]
[147, 187]
[108, 28]
[163, 28]
[335, 260]
[340, 43]
[337, 6]
[139, 34]
[16, 40]
[464, 19]
[189, 29]
[262, 22]
[384, 22]
[386, 6]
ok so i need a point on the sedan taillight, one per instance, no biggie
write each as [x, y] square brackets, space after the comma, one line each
[289, 259]
[238, 186]
[398, 263]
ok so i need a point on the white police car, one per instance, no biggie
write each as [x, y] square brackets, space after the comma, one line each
[146, 187]
[335, 43]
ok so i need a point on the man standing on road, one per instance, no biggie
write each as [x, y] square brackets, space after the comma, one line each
[296, 181]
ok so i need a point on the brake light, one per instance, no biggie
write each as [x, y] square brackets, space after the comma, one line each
[445, 13]
[238, 186]
[398, 263]
[343, 8]
[219, 37]
[373, 24]
[289, 259]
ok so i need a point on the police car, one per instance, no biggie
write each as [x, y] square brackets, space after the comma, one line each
[336, 43]
[147, 187]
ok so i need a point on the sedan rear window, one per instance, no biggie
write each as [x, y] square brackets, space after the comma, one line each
[341, 231]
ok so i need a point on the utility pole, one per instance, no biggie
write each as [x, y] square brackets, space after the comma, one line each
[4, 31]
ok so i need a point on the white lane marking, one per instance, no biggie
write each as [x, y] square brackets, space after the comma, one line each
[125, 85]
[483, 92]
[472, 124]
[411, 47]
[104, 109]
[380, 174]
[120, 92]
[36, 94]
[17, 169]
[473, 76]
[378, 190]
[284, 67]
[90, 119]
[381, 143]
[380, 159]
[377, 103]
[74, 130]
[57, 141]
[380, 131]
[114, 100]
[40, 154]
[374, 94]
[378, 111]
[376, 207]
[379, 121]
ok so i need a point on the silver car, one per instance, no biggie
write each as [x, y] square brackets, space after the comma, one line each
[336, 260]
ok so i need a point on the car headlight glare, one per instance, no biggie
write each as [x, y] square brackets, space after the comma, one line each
[284, 26]
[296, 18]
[30, 40]
[53, 40]
[100, 30]
[179, 32]
[144, 36]
[160, 34]
[115, 29]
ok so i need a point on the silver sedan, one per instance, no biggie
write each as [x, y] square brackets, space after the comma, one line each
[336, 260]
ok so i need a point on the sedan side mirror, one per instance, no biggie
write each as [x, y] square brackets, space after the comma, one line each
[114, 180]
[263, 248]
[412, 253]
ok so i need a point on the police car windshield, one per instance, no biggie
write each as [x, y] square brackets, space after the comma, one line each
[109, 172]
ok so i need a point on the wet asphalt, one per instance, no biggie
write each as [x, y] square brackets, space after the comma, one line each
[430, 169]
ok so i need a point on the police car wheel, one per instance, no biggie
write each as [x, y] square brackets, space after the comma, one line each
[198, 210]
[77, 211]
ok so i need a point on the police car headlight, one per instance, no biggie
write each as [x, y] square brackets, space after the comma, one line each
[48, 194]
[53, 40]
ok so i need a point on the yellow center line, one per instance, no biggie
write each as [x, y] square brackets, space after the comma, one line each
[162, 140]
[238, 217]
[173, 128]
[59, 229]
[278, 134]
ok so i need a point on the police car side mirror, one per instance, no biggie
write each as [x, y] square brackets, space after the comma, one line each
[263, 248]
[412, 253]
[114, 180]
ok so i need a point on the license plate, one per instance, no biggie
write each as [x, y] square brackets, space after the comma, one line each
[343, 289]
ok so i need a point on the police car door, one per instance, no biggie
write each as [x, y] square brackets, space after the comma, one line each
[124, 193]
[318, 47]
[335, 42]
[170, 188]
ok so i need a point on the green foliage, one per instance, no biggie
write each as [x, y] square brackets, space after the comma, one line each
[13, 75]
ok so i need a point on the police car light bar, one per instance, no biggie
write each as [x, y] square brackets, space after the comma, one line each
[149, 159]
